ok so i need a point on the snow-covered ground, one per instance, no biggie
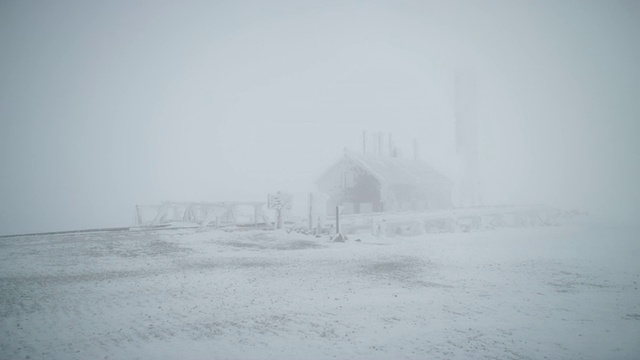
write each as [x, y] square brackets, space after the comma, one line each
[568, 292]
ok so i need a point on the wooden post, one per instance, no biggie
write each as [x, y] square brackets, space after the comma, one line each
[255, 215]
[337, 219]
[138, 217]
[279, 219]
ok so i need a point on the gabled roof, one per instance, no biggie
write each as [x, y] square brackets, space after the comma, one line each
[398, 171]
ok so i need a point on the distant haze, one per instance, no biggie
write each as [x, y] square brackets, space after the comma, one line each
[104, 105]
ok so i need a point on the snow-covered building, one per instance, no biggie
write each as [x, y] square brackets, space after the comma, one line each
[364, 183]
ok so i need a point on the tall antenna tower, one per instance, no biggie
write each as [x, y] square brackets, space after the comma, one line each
[467, 136]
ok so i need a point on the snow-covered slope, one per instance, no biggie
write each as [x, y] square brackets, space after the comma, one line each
[567, 292]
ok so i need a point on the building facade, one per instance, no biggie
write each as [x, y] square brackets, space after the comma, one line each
[365, 183]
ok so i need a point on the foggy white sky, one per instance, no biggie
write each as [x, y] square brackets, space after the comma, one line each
[104, 105]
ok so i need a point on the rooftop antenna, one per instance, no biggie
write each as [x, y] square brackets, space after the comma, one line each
[364, 142]
[374, 144]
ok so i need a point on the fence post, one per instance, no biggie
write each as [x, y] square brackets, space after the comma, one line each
[310, 212]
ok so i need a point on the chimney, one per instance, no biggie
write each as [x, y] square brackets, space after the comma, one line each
[364, 142]
[374, 144]
[380, 145]
[415, 150]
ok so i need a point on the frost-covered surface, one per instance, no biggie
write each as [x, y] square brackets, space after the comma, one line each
[567, 292]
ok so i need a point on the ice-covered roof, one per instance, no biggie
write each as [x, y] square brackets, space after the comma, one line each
[399, 171]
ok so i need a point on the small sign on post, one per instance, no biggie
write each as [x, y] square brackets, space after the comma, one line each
[278, 202]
